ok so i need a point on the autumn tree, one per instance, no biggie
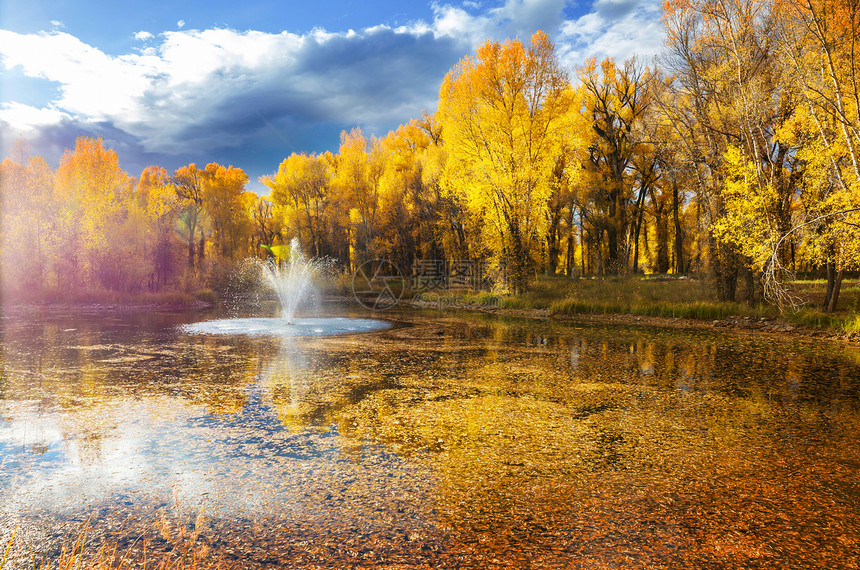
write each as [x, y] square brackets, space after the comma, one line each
[360, 165]
[159, 204]
[26, 218]
[95, 241]
[819, 45]
[410, 204]
[616, 100]
[267, 226]
[731, 93]
[303, 183]
[188, 183]
[504, 115]
[442, 208]
[228, 208]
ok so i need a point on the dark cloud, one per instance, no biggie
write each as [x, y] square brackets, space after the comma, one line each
[522, 18]
[615, 9]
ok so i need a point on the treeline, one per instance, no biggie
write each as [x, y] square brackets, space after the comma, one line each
[735, 157]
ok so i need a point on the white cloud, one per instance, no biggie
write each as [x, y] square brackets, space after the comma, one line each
[25, 118]
[94, 85]
[182, 91]
[180, 24]
[143, 35]
[524, 17]
[618, 29]
[57, 24]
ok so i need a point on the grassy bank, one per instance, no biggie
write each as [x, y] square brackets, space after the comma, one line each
[665, 297]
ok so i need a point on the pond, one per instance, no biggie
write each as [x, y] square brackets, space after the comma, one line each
[442, 441]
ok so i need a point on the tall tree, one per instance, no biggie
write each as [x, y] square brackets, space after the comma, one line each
[228, 207]
[303, 183]
[819, 44]
[616, 100]
[730, 92]
[360, 166]
[95, 192]
[188, 183]
[27, 216]
[159, 204]
[504, 115]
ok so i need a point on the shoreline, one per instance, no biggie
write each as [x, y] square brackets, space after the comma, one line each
[90, 308]
[769, 326]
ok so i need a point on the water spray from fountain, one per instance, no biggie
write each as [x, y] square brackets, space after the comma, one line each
[290, 278]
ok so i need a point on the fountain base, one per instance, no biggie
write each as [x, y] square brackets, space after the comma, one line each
[281, 327]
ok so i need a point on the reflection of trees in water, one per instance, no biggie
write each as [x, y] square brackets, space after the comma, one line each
[80, 385]
[736, 366]
[619, 436]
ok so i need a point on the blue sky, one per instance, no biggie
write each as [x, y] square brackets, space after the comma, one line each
[248, 83]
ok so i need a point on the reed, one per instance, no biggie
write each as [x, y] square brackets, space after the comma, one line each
[185, 549]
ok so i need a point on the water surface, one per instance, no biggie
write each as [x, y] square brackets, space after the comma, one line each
[460, 442]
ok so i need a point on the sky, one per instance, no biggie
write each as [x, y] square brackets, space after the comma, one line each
[248, 83]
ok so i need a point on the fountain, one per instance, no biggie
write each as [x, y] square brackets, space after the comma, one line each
[290, 276]
[291, 279]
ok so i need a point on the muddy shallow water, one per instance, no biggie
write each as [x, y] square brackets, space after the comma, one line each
[443, 441]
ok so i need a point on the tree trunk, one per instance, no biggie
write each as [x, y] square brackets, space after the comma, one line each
[725, 270]
[834, 296]
[571, 258]
[553, 246]
[834, 284]
[749, 280]
[200, 249]
[585, 248]
[612, 245]
[662, 235]
[518, 260]
[640, 210]
[191, 251]
[831, 281]
[679, 235]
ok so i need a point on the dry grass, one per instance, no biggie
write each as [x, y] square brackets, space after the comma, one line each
[182, 549]
[665, 297]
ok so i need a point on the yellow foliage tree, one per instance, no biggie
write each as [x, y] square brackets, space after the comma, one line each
[302, 184]
[188, 185]
[616, 100]
[228, 207]
[159, 205]
[504, 116]
[820, 44]
[359, 168]
[26, 218]
[94, 242]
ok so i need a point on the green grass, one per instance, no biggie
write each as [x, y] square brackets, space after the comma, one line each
[663, 297]
[846, 322]
[701, 310]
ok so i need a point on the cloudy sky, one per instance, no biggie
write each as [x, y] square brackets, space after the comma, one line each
[248, 83]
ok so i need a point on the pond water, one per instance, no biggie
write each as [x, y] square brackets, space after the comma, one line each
[442, 441]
